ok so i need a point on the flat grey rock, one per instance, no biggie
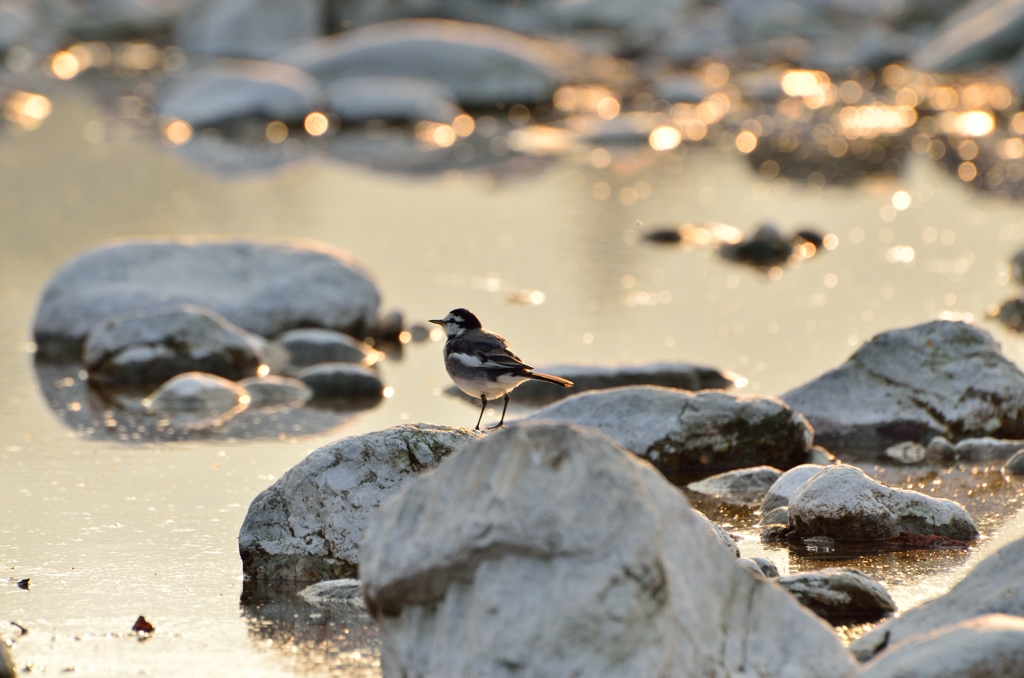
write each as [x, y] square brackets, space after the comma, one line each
[344, 594]
[1015, 464]
[993, 586]
[840, 596]
[343, 381]
[679, 430]
[941, 449]
[232, 89]
[983, 647]
[276, 392]
[983, 31]
[314, 345]
[391, 98]
[986, 449]
[482, 65]
[843, 503]
[197, 400]
[307, 526]
[596, 377]
[263, 286]
[744, 486]
[548, 548]
[782, 489]
[255, 29]
[149, 346]
[940, 378]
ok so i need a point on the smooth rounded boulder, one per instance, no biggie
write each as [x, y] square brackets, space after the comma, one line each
[843, 503]
[548, 549]
[840, 595]
[940, 378]
[197, 398]
[681, 431]
[779, 493]
[263, 286]
[307, 526]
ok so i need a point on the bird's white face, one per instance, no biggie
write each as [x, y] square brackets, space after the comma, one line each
[453, 324]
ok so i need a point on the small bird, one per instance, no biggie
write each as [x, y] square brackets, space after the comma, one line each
[481, 364]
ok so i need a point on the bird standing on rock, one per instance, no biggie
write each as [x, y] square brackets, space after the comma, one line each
[481, 364]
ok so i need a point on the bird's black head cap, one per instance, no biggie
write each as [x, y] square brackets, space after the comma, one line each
[464, 319]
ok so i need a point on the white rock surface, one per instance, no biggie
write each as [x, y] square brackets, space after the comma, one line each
[197, 399]
[991, 646]
[482, 65]
[986, 449]
[307, 525]
[745, 486]
[678, 430]
[596, 377]
[152, 345]
[993, 586]
[360, 99]
[547, 550]
[782, 489]
[276, 392]
[255, 29]
[313, 345]
[940, 378]
[843, 503]
[984, 30]
[841, 595]
[230, 89]
[263, 286]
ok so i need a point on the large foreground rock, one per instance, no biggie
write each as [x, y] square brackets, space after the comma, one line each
[547, 550]
[843, 503]
[152, 345]
[596, 377]
[482, 65]
[263, 286]
[941, 378]
[683, 431]
[994, 586]
[840, 595]
[986, 647]
[307, 526]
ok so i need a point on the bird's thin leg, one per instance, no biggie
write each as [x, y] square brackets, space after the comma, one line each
[501, 423]
[483, 406]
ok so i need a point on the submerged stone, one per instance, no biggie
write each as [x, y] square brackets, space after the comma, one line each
[198, 395]
[276, 392]
[840, 596]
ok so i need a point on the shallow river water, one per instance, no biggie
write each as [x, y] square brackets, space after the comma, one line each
[109, 530]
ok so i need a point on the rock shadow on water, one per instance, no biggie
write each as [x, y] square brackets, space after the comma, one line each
[120, 416]
[339, 638]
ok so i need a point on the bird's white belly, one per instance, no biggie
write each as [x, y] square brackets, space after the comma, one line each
[489, 389]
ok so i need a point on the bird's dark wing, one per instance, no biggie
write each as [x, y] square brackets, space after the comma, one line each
[502, 359]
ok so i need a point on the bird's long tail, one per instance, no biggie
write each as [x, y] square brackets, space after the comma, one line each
[551, 379]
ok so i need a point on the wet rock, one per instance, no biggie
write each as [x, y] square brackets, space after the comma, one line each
[766, 248]
[342, 381]
[117, 19]
[748, 564]
[843, 503]
[679, 430]
[1011, 313]
[596, 377]
[777, 516]
[232, 89]
[346, 594]
[204, 397]
[391, 98]
[705, 33]
[993, 586]
[314, 345]
[821, 457]
[986, 449]
[266, 287]
[745, 486]
[940, 378]
[276, 392]
[150, 346]
[255, 29]
[307, 526]
[1015, 464]
[682, 88]
[984, 647]
[482, 65]
[940, 449]
[767, 567]
[613, 574]
[907, 452]
[979, 33]
[840, 596]
[18, 18]
[782, 489]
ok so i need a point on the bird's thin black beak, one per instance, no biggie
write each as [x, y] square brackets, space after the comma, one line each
[436, 322]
